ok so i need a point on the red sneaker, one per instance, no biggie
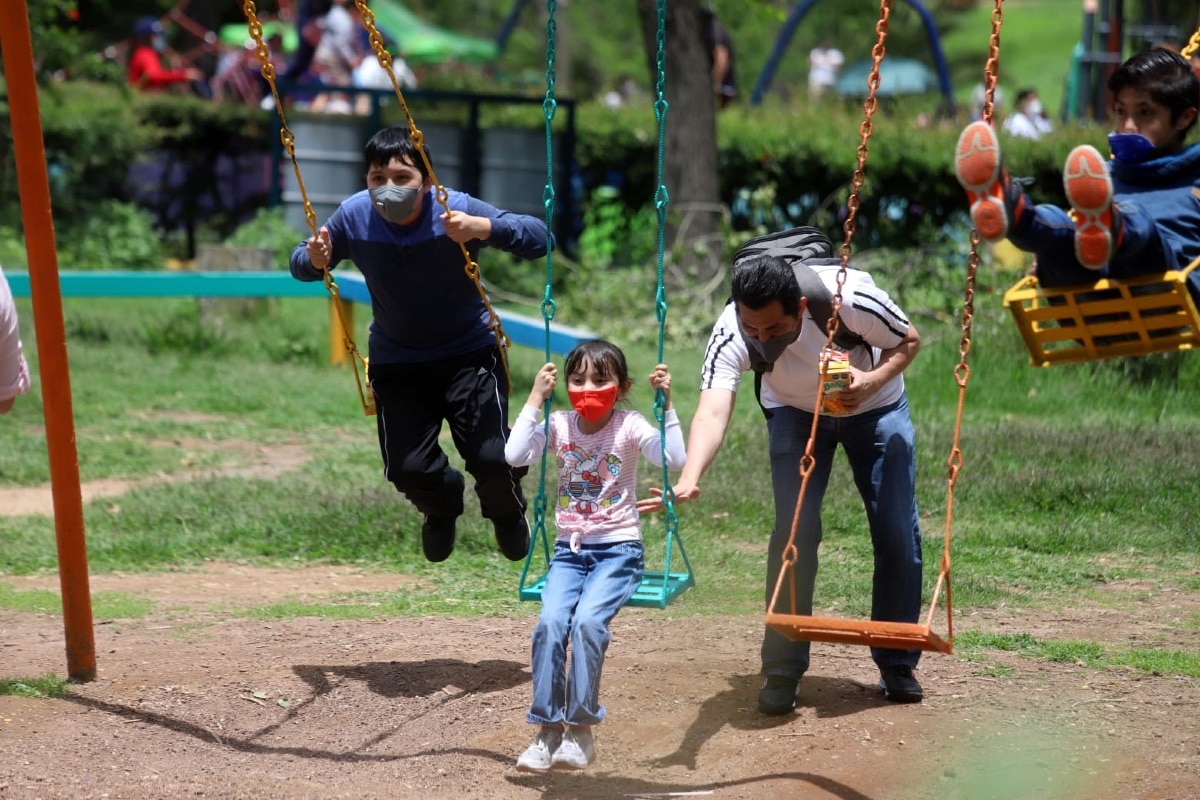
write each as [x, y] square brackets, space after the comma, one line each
[1089, 190]
[995, 202]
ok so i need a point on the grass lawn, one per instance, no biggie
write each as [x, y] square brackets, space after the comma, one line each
[1072, 476]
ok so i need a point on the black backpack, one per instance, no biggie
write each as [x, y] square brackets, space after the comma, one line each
[802, 247]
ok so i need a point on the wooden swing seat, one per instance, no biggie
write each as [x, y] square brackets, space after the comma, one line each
[896, 635]
[1106, 319]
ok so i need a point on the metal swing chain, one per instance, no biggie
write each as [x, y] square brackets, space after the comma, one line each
[662, 200]
[962, 372]
[288, 139]
[440, 192]
[548, 307]
[808, 461]
[1192, 45]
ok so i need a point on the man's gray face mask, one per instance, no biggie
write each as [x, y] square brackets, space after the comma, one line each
[394, 203]
[770, 350]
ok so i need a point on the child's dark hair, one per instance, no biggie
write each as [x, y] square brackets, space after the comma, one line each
[1163, 74]
[760, 279]
[606, 359]
[394, 142]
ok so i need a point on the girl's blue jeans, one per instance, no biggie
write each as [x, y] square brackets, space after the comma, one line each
[583, 592]
[880, 446]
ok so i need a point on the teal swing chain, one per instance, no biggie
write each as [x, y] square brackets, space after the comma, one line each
[657, 589]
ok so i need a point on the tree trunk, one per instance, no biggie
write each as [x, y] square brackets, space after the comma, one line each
[690, 162]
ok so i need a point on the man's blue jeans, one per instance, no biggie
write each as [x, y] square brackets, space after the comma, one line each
[583, 592]
[881, 448]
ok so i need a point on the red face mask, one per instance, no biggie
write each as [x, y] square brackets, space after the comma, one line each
[593, 404]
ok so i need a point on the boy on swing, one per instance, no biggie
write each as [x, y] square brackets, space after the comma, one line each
[433, 356]
[1137, 214]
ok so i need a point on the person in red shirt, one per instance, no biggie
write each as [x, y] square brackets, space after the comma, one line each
[146, 70]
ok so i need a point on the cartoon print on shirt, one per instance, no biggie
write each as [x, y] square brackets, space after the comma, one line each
[583, 490]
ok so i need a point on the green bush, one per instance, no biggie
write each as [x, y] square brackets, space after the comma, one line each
[269, 229]
[114, 235]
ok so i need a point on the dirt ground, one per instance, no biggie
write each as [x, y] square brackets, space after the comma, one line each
[196, 701]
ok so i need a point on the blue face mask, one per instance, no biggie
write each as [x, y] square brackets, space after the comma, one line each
[1132, 148]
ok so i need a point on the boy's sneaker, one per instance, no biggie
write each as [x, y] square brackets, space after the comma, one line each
[512, 534]
[778, 695]
[437, 537]
[577, 750]
[899, 685]
[1089, 190]
[537, 757]
[996, 202]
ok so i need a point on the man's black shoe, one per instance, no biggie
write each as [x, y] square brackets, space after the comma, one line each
[512, 534]
[899, 685]
[437, 537]
[778, 695]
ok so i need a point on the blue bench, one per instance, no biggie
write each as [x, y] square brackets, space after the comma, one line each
[521, 329]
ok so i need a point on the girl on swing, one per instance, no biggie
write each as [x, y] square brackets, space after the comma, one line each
[597, 562]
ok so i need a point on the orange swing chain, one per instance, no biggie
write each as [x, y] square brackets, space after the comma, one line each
[808, 461]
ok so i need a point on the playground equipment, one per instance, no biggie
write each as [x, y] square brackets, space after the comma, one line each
[1105, 36]
[801, 8]
[658, 587]
[877, 633]
[16, 47]
[1154, 313]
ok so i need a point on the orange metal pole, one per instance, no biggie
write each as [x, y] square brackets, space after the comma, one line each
[16, 46]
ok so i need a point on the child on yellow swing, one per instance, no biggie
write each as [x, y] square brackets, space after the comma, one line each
[597, 562]
[1137, 214]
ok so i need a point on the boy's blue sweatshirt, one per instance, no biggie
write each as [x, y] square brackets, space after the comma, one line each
[425, 306]
[1168, 188]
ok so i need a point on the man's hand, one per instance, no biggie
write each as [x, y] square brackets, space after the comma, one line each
[651, 505]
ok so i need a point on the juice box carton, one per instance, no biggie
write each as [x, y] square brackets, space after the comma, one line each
[834, 380]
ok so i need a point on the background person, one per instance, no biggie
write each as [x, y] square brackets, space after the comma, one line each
[1028, 119]
[146, 71]
[824, 63]
[720, 46]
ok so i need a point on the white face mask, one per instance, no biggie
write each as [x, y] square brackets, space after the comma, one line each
[1034, 109]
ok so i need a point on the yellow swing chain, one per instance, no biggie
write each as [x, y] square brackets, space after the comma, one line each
[418, 138]
[263, 52]
[1192, 44]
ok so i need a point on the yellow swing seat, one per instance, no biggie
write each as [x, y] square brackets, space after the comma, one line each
[1106, 319]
